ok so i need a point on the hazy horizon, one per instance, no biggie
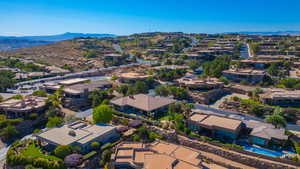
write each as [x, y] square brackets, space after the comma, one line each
[51, 17]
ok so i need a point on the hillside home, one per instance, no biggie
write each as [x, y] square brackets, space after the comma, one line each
[156, 155]
[78, 133]
[265, 134]
[249, 75]
[142, 104]
[76, 96]
[15, 108]
[200, 83]
[219, 127]
[281, 98]
[132, 77]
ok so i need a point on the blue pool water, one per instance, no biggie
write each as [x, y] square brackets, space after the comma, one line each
[263, 151]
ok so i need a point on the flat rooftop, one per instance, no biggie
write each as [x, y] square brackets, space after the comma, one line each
[73, 81]
[259, 61]
[79, 132]
[214, 121]
[245, 71]
[195, 81]
[276, 56]
[79, 88]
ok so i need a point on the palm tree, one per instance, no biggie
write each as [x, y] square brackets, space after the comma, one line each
[54, 101]
[276, 119]
[187, 109]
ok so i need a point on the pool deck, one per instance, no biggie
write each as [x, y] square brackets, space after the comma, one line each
[227, 161]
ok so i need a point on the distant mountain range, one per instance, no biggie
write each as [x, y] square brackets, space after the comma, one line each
[7, 44]
[16, 42]
[59, 37]
[269, 33]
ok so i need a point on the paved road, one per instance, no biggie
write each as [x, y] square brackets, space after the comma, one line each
[33, 85]
[249, 51]
[245, 52]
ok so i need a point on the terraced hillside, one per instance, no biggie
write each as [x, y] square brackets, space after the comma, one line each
[78, 54]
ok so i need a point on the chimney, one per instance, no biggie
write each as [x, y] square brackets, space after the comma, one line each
[72, 133]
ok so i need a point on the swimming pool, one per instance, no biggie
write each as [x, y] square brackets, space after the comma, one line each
[263, 151]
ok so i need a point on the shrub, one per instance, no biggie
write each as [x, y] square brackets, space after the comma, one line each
[106, 146]
[89, 155]
[105, 157]
[136, 138]
[235, 98]
[33, 116]
[37, 131]
[224, 80]
[153, 136]
[63, 150]
[258, 111]
[95, 145]
[54, 122]
[9, 132]
[244, 82]
[39, 93]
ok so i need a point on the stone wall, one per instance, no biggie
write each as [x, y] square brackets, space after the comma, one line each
[232, 156]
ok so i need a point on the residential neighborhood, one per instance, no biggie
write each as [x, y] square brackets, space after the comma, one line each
[203, 89]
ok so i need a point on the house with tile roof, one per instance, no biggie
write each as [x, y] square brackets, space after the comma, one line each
[142, 104]
[149, 156]
[223, 128]
[264, 134]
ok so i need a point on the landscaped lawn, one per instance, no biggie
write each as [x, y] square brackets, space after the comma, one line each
[34, 151]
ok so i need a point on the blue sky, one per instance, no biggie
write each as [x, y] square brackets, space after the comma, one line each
[122, 17]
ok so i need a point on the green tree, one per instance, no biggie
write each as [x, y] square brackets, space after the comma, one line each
[276, 119]
[97, 97]
[141, 87]
[63, 150]
[273, 70]
[123, 89]
[162, 91]
[257, 111]
[289, 82]
[194, 64]
[224, 80]
[9, 132]
[114, 77]
[17, 97]
[105, 157]
[55, 99]
[102, 114]
[215, 67]
[54, 122]
[7, 80]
